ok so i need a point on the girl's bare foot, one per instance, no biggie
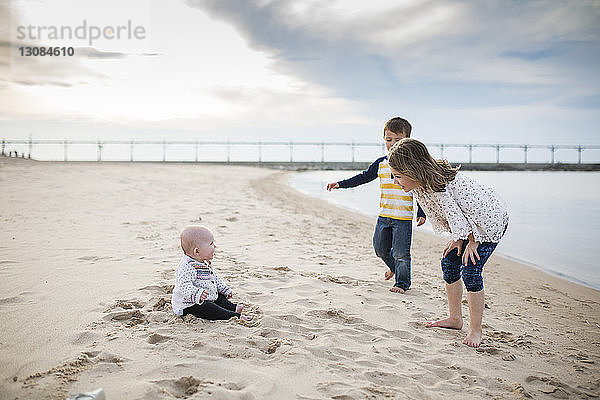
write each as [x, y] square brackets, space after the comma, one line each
[473, 339]
[246, 318]
[388, 275]
[397, 290]
[449, 323]
[239, 308]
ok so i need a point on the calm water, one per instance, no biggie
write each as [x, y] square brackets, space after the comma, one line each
[554, 216]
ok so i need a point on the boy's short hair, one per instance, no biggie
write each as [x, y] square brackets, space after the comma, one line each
[398, 125]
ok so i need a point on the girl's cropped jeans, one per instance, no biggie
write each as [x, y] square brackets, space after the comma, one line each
[453, 268]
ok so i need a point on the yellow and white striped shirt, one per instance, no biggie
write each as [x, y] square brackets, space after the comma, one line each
[394, 202]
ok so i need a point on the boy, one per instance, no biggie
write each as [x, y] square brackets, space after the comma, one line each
[393, 231]
[198, 289]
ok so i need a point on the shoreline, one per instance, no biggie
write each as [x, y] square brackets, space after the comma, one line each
[430, 236]
[307, 187]
[499, 254]
[91, 307]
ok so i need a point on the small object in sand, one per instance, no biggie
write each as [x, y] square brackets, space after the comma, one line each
[97, 394]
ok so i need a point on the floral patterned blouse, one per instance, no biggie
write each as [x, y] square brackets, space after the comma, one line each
[465, 207]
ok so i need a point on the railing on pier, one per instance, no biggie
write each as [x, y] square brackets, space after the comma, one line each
[7, 146]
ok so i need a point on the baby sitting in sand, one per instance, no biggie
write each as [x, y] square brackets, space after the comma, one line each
[198, 289]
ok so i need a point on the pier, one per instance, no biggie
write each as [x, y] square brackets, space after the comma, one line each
[292, 155]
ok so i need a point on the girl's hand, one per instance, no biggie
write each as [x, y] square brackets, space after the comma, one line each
[333, 185]
[203, 295]
[471, 253]
[420, 221]
[453, 244]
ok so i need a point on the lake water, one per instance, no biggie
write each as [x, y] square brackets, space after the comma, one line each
[554, 216]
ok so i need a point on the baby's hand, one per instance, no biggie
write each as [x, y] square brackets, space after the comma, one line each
[203, 295]
[333, 185]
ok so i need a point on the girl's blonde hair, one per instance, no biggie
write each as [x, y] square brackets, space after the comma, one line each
[410, 157]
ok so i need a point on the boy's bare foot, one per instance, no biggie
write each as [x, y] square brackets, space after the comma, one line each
[388, 275]
[473, 339]
[449, 323]
[239, 308]
[246, 318]
[397, 290]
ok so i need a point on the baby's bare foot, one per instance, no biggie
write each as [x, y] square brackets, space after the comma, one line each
[397, 290]
[239, 308]
[473, 339]
[449, 323]
[388, 275]
[246, 318]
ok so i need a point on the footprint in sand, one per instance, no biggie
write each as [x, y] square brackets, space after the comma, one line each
[500, 336]
[181, 388]
[417, 325]
[163, 304]
[127, 304]
[129, 318]
[156, 338]
[386, 378]
[274, 344]
[493, 351]
[555, 388]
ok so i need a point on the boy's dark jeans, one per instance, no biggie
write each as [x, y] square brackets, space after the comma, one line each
[213, 310]
[391, 242]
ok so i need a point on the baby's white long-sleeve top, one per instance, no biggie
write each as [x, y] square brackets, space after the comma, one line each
[192, 277]
[464, 207]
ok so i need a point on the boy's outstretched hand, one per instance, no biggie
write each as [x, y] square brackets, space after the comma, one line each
[332, 185]
[420, 221]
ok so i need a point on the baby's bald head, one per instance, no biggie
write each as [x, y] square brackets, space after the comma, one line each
[195, 236]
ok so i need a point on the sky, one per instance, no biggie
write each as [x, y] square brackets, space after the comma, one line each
[489, 71]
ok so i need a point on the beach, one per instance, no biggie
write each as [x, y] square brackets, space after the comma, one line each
[87, 267]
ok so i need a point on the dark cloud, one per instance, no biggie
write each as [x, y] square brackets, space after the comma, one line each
[340, 64]
[471, 59]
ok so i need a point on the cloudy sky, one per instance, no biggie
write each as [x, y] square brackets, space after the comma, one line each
[489, 71]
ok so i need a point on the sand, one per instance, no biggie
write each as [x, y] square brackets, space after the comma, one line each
[87, 265]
